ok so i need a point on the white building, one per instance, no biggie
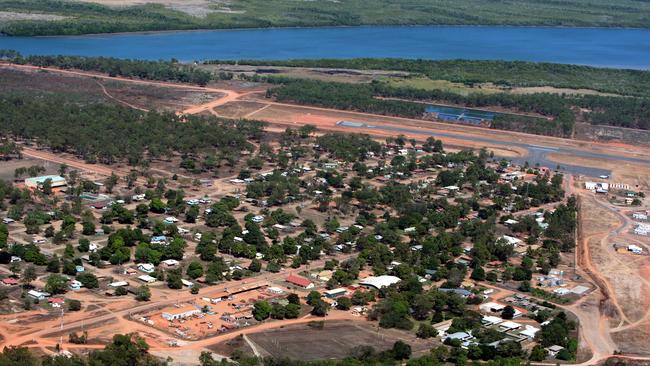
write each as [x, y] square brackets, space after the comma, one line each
[147, 279]
[508, 326]
[635, 249]
[640, 216]
[38, 295]
[379, 282]
[181, 313]
[490, 320]
[511, 240]
[595, 186]
[118, 284]
[146, 267]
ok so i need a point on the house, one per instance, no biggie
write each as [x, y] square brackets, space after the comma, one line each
[147, 279]
[492, 307]
[458, 291]
[642, 229]
[640, 216]
[490, 320]
[257, 219]
[146, 267]
[336, 292]
[56, 181]
[187, 283]
[38, 295]
[93, 247]
[169, 263]
[597, 186]
[170, 220]
[38, 240]
[79, 269]
[56, 301]
[561, 291]
[8, 220]
[9, 281]
[529, 332]
[158, 239]
[379, 282]
[554, 350]
[635, 249]
[75, 285]
[181, 313]
[118, 284]
[299, 281]
[98, 206]
[508, 326]
[461, 336]
[510, 222]
[511, 240]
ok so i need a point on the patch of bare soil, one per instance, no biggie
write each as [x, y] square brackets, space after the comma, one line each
[7, 16]
[637, 175]
[196, 8]
[335, 340]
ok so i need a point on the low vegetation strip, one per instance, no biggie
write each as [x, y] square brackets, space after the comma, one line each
[505, 73]
[104, 133]
[88, 17]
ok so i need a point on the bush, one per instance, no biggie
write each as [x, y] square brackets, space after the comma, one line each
[74, 305]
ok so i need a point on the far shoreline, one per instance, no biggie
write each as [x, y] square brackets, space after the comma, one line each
[205, 30]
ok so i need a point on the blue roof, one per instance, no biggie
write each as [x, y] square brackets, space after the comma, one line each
[43, 178]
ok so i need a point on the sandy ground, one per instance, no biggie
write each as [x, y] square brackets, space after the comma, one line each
[6, 16]
[552, 90]
[629, 173]
[197, 8]
[623, 278]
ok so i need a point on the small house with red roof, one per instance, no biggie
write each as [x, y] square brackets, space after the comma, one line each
[300, 281]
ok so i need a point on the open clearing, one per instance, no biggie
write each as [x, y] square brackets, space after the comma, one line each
[197, 8]
[6, 16]
[334, 340]
[93, 90]
[624, 278]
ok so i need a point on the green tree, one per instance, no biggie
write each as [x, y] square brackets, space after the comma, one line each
[343, 303]
[426, 331]
[89, 280]
[29, 275]
[401, 351]
[56, 284]
[320, 308]
[195, 270]
[261, 310]
[508, 312]
[292, 311]
[143, 293]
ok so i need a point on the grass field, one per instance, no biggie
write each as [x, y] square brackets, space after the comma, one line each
[335, 340]
[104, 16]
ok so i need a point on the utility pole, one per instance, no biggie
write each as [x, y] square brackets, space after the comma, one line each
[61, 330]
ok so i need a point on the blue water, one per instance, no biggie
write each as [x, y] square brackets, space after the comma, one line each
[627, 48]
[471, 116]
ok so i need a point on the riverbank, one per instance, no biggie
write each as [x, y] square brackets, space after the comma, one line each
[103, 16]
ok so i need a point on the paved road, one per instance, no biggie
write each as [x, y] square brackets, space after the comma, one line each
[537, 154]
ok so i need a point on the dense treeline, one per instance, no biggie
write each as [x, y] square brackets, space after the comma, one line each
[506, 73]
[363, 97]
[105, 133]
[342, 96]
[558, 109]
[152, 70]
[94, 18]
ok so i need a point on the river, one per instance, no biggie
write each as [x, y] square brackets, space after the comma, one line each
[620, 48]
